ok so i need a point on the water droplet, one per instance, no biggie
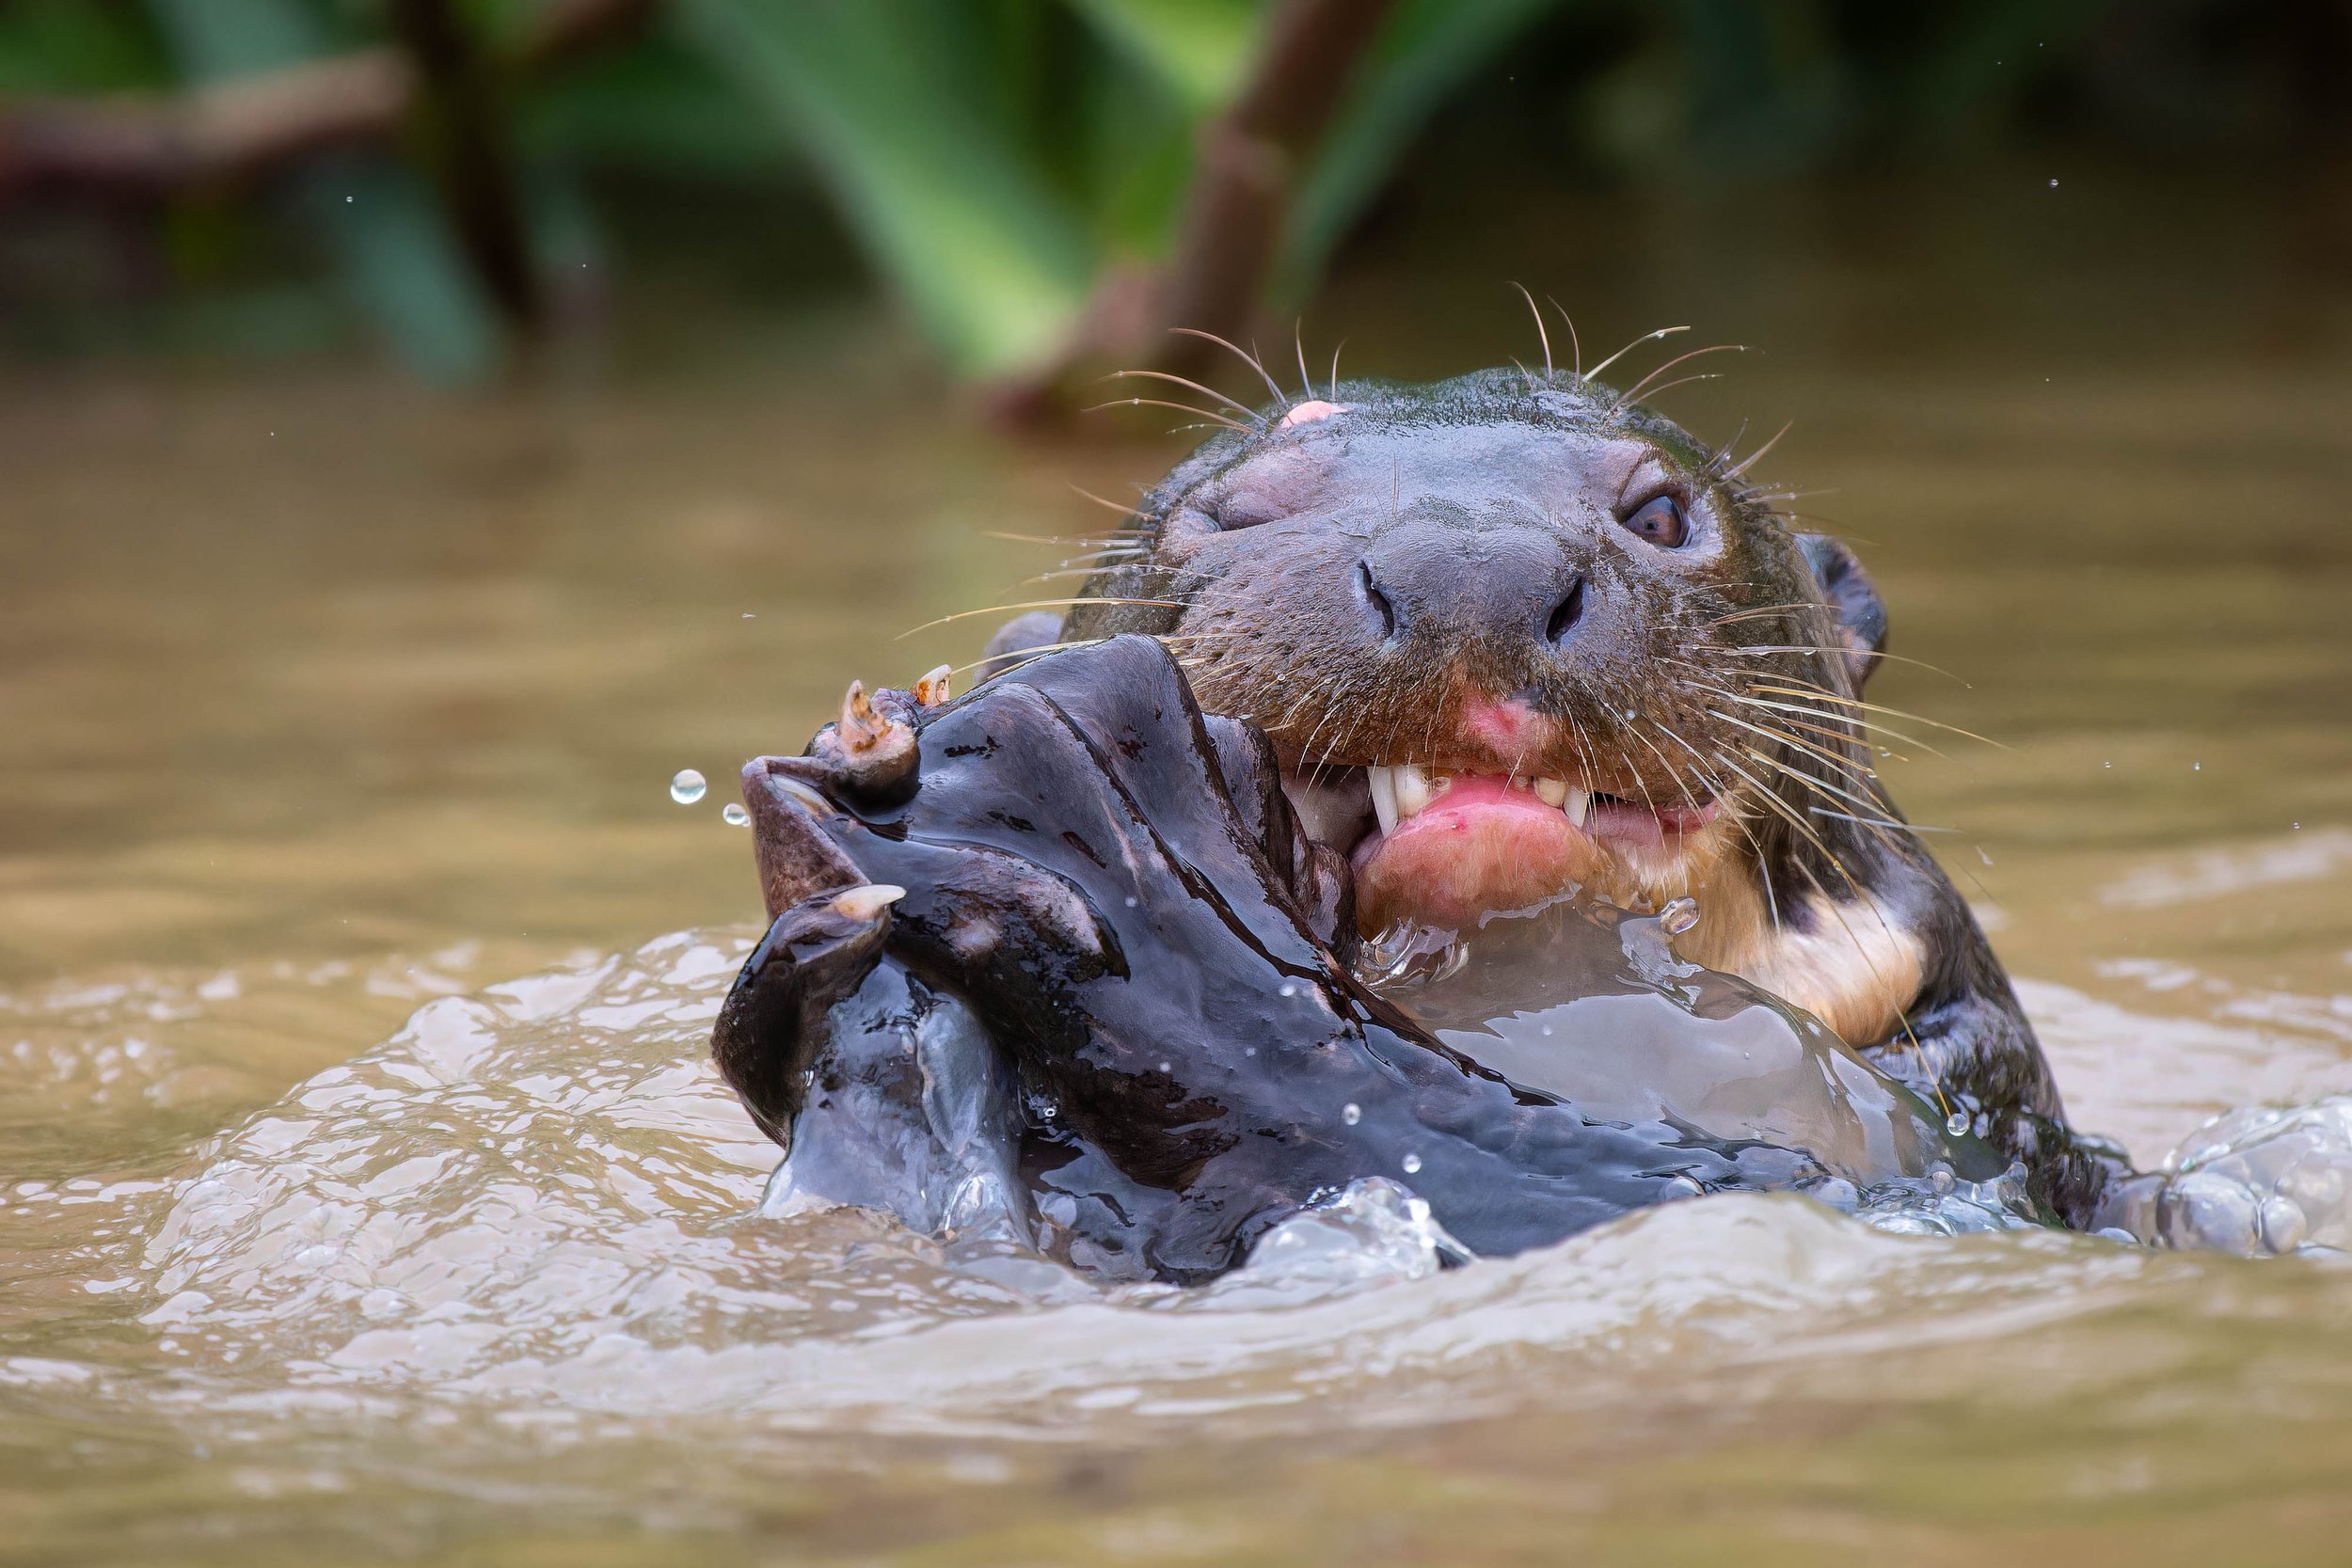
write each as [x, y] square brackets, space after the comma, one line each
[1412, 1163]
[2054, 184]
[1957, 1123]
[1286, 989]
[1679, 916]
[1942, 1179]
[1351, 1113]
[1132, 900]
[1167, 1067]
[687, 786]
[734, 816]
[2197, 767]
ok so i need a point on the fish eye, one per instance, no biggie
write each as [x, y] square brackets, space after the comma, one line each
[1659, 520]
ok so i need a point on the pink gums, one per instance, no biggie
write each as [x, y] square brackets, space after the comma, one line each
[1480, 845]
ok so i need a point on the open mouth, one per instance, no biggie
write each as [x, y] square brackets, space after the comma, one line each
[1447, 847]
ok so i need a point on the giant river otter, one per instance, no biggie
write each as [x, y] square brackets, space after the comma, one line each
[1464, 648]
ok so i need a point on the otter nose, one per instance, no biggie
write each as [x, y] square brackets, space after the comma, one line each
[1451, 585]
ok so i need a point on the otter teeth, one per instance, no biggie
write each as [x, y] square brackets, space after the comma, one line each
[1405, 791]
[1383, 783]
[1559, 792]
[1399, 792]
[1411, 785]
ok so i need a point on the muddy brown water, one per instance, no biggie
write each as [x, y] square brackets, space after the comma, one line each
[362, 1197]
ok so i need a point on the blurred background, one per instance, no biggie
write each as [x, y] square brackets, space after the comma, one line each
[471, 187]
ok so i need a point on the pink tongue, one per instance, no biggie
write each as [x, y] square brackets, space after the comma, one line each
[1480, 845]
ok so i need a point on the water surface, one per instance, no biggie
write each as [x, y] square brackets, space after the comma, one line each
[363, 1196]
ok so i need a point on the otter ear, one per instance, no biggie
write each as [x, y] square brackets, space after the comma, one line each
[1861, 613]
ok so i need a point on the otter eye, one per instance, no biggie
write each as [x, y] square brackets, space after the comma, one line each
[1658, 520]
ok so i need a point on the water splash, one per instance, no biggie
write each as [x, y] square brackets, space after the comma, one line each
[1939, 1204]
[539, 1200]
[540, 1195]
[1579, 1000]
[2257, 1182]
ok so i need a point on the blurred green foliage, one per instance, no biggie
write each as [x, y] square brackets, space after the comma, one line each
[75, 46]
[385, 227]
[994, 160]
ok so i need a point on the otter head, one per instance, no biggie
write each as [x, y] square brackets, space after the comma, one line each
[1511, 637]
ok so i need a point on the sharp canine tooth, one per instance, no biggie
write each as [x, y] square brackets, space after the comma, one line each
[1412, 789]
[1383, 797]
[1580, 802]
[1552, 792]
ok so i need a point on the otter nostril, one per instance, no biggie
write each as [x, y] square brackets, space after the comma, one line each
[1379, 602]
[1565, 613]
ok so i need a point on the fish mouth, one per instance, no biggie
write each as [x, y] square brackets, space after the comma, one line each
[1446, 847]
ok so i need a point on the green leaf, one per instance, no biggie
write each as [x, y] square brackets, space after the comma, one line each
[400, 262]
[1200, 49]
[1425, 53]
[49, 46]
[402, 266]
[660, 108]
[215, 40]
[1139, 160]
[994, 264]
